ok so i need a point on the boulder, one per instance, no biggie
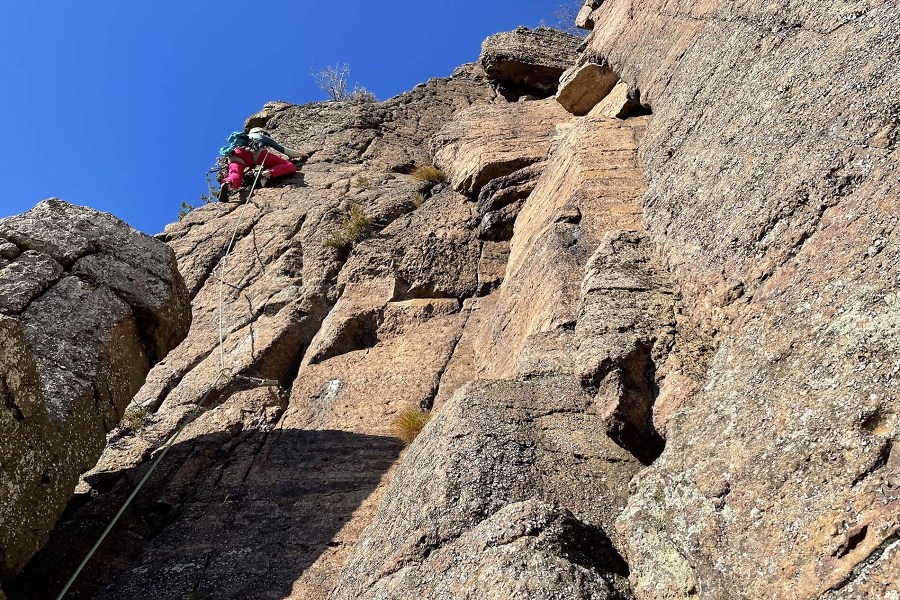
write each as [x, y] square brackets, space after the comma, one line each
[581, 88]
[87, 305]
[266, 114]
[621, 103]
[529, 59]
[585, 17]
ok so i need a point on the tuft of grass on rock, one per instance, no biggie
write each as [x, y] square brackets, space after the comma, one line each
[409, 423]
[362, 182]
[336, 240]
[419, 199]
[430, 174]
[357, 227]
[133, 419]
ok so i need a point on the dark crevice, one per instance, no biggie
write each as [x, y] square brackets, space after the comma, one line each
[592, 549]
[864, 564]
[629, 385]
[880, 461]
[8, 400]
[854, 539]
[428, 402]
[633, 106]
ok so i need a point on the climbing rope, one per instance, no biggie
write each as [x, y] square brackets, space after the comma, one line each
[223, 374]
[223, 263]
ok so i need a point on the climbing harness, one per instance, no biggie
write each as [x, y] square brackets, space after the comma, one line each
[224, 374]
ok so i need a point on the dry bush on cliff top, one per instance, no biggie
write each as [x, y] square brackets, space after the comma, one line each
[410, 422]
[333, 81]
[430, 174]
[566, 15]
[357, 227]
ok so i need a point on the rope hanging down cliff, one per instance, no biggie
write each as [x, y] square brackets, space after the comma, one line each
[224, 374]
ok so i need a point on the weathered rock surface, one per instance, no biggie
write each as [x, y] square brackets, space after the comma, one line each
[353, 334]
[772, 170]
[621, 102]
[269, 110]
[474, 509]
[541, 428]
[581, 88]
[87, 306]
[487, 142]
[529, 60]
[660, 350]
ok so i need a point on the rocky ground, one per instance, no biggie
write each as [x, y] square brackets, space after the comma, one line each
[653, 309]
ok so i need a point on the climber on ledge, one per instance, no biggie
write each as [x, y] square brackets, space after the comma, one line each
[248, 150]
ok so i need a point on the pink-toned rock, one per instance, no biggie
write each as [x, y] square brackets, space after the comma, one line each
[530, 60]
[486, 142]
[581, 88]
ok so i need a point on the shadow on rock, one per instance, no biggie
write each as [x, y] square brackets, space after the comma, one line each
[235, 514]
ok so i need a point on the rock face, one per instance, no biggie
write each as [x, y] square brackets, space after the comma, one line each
[476, 505]
[269, 110]
[660, 349]
[87, 306]
[353, 334]
[529, 61]
[487, 142]
[773, 196]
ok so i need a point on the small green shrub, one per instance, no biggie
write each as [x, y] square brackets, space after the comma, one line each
[206, 198]
[357, 227]
[409, 423]
[336, 240]
[429, 173]
[133, 418]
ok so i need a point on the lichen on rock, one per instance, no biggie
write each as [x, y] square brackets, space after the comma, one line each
[75, 346]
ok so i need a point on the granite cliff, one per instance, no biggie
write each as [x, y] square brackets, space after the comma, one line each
[650, 298]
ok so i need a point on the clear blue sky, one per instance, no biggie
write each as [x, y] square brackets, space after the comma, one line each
[122, 105]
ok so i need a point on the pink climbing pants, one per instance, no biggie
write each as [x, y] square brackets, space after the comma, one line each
[272, 162]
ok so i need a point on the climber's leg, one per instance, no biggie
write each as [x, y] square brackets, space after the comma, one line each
[278, 166]
[235, 175]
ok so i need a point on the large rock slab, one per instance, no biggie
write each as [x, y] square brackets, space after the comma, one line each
[507, 468]
[86, 307]
[773, 198]
[486, 142]
[582, 195]
[532, 59]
